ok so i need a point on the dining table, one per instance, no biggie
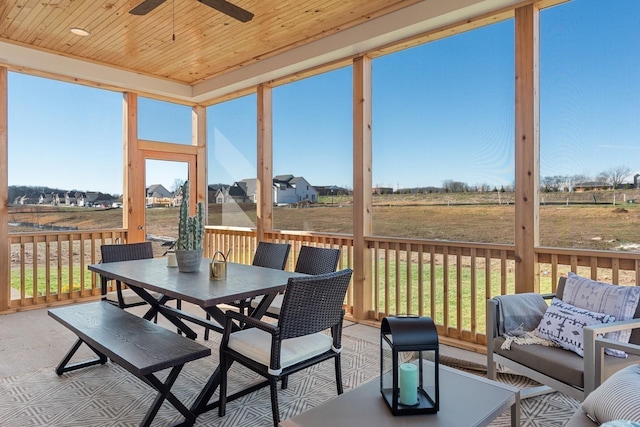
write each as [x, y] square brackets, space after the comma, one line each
[242, 282]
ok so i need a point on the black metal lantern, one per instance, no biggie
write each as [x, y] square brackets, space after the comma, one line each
[409, 365]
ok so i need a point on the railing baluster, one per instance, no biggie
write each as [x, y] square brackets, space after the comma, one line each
[400, 268]
[409, 292]
[420, 280]
[432, 281]
[47, 295]
[59, 272]
[445, 289]
[473, 294]
[459, 294]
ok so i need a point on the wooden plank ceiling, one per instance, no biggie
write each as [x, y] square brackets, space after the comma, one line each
[207, 42]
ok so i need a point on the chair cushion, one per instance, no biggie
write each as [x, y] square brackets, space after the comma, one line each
[617, 398]
[256, 345]
[558, 363]
[564, 323]
[618, 301]
[129, 296]
[274, 308]
[555, 362]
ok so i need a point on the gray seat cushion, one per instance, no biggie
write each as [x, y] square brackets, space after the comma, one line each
[558, 363]
[555, 362]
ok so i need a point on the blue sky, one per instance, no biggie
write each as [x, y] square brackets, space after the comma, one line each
[442, 111]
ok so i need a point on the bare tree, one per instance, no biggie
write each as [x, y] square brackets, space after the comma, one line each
[177, 185]
[454, 186]
[616, 175]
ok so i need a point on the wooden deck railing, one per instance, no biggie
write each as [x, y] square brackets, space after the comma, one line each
[448, 281]
[51, 267]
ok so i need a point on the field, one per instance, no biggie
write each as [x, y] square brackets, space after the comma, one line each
[475, 217]
[575, 223]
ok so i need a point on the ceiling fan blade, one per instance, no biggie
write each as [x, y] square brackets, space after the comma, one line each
[145, 7]
[230, 9]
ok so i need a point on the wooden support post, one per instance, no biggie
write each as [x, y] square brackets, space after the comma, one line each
[199, 173]
[134, 173]
[264, 208]
[362, 204]
[5, 247]
[527, 148]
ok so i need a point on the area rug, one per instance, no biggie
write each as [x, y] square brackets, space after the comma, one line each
[108, 395]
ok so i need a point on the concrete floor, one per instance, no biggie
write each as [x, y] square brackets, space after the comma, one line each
[31, 340]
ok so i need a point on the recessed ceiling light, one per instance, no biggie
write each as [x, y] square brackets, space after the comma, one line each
[80, 31]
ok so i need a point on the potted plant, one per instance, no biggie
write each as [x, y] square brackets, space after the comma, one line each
[190, 235]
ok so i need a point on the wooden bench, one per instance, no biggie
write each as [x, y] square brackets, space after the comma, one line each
[136, 344]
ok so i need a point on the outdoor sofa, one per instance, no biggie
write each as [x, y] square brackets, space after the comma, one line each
[554, 367]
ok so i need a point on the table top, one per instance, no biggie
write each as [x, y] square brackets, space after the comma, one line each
[242, 281]
[465, 400]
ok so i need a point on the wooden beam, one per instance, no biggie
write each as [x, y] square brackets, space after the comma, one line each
[5, 247]
[362, 179]
[527, 148]
[264, 209]
[167, 147]
[134, 172]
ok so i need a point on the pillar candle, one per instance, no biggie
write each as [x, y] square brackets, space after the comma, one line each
[408, 384]
[171, 259]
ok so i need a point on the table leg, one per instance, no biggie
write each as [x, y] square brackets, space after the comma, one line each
[155, 308]
[515, 411]
[262, 307]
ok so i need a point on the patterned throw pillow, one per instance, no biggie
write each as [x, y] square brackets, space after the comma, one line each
[618, 301]
[617, 398]
[563, 324]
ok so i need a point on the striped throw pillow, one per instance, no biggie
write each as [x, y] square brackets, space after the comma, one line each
[617, 398]
[618, 301]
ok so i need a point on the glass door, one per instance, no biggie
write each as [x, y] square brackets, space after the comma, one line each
[163, 179]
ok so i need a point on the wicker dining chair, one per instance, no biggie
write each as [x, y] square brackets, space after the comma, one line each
[311, 260]
[125, 298]
[316, 260]
[312, 304]
[269, 255]
[272, 255]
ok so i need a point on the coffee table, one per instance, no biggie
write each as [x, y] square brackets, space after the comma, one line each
[465, 400]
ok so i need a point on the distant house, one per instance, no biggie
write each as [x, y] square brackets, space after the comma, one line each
[239, 192]
[328, 190]
[287, 189]
[157, 195]
[590, 186]
[80, 199]
[20, 200]
[212, 192]
[49, 199]
[382, 190]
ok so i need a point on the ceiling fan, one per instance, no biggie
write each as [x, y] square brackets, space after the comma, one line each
[221, 5]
